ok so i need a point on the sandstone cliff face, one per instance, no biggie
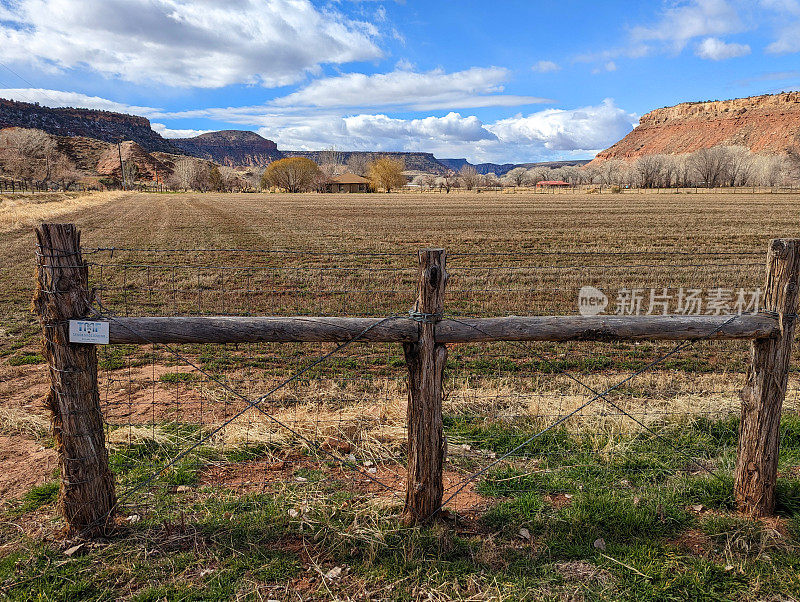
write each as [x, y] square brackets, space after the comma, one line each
[764, 124]
[88, 123]
[233, 148]
[149, 167]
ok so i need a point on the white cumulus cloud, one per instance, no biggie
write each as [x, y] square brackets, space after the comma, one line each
[475, 87]
[547, 134]
[450, 127]
[716, 50]
[172, 133]
[59, 98]
[688, 20]
[585, 129]
[188, 43]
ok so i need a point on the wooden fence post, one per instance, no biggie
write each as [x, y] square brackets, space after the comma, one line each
[87, 497]
[765, 387]
[426, 360]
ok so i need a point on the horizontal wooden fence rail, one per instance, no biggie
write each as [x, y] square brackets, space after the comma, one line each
[225, 329]
[62, 295]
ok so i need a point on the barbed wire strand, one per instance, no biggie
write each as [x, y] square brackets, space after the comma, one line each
[567, 416]
[252, 404]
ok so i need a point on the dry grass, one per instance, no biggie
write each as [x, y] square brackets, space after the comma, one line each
[345, 418]
[501, 262]
[19, 211]
[500, 259]
[15, 421]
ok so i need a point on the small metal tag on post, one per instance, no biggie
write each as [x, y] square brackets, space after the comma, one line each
[86, 331]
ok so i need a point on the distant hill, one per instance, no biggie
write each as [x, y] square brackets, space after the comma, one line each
[454, 164]
[231, 147]
[93, 161]
[501, 169]
[767, 124]
[84, 133]
[423, 162]
[100, 125]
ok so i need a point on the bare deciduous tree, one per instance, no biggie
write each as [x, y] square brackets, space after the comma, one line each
[357, 164]
[448, 181]
[517, 176]
[469, 177]
[490, 180]
[331, 162]
[428, 181]
[184, 173]
[29, 155]
[130, 172]
[739, 165]
[770, 170]
[710, 165]
[648, 170]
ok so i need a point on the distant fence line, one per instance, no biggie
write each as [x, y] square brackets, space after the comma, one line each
[8, 185]
[14, 186]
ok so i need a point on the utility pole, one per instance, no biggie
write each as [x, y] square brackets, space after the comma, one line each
[121, 166]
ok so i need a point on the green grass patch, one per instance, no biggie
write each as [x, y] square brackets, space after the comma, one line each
[25, 359]
[632, 491]
[178, 377]
[112, 358]
[37, 497]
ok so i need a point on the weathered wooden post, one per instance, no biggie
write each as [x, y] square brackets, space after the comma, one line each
[426, 360]
[765, 387]
[87, 497]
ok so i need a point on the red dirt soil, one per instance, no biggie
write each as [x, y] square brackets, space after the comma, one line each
[23, 464]
[385, 483]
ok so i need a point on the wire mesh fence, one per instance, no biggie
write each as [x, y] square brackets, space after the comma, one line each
[187, 423]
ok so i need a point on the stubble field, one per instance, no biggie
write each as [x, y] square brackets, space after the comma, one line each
[529, 527]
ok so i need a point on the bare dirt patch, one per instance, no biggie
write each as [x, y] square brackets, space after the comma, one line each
[386, 483]
[694, 541]
[256, 475]
[138, 396]
[23, 464]
[583, 572]
[24, 387]
[559, 500]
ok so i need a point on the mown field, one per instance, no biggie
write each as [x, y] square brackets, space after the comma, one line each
[603, 507]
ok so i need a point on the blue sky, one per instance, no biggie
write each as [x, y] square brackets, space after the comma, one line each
[490, 81]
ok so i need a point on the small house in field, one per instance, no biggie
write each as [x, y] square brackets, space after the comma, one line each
[347, 182]
[552, 184]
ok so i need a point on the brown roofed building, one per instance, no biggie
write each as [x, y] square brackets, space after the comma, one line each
[347, 182]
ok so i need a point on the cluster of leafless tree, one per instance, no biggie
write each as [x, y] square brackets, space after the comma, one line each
[712, 167]
[33, 158]
[466, 178]
[196, 174]
[727, 166]
[718, 166]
